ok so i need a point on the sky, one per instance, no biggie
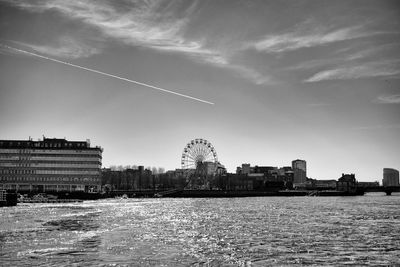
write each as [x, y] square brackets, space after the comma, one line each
[270, 81]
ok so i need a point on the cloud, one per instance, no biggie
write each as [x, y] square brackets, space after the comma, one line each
[4, 50]
[388, 99]
[304, 39]
[157, 25]
[65, 47]
[141, 23]
[368, 70]
[345, 55]
[318, 104]
[378, 127]
[371, 51]
[251, 74]
[315, 63]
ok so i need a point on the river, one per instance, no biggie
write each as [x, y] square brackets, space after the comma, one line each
[257, 231]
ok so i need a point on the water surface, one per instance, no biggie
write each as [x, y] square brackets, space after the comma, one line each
[262, 231]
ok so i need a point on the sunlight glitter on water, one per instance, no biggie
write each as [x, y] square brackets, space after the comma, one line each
[214, 232]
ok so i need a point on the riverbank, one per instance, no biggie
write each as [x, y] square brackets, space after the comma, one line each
[64, 197]
[245, 193]
[7, 199]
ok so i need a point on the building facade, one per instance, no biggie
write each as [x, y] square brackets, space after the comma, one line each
[314, 184]
[264, 176]
[347, 183]
[390, 177]
[246, 169]
[368, 184]
[299, 168]
[50, 165]
[128, 179]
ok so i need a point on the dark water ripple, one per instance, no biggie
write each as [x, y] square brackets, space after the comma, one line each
[204, 232]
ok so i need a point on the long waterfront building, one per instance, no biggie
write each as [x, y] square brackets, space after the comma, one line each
[50, 165]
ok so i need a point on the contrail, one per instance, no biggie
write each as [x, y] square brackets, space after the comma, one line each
[109, 75]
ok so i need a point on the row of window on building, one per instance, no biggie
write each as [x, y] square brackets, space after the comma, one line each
[37, 162]
[51, 165]
[46, 188]
[18, 171]
[48, 144]
[50, 179]
[41, 171]
[61, 154]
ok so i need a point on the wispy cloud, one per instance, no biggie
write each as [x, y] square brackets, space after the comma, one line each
[374, 69]
[345, 56]
[301, 38]
[388, 99]
[377, 127]
[373, 50]
[140, 23]
[65, 47]
[4, 50]
[157, 25]
[252, 74]
[315, 63]
[318, 104]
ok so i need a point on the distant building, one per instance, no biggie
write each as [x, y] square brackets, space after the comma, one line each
[245, 169]
[237, 182]
[390, 177]
[284, 170]
[172, 179]
[214, 168]
[221, 170]
[263, 176]
[128, 179]
[347, 183]
[367, 184]
[266, 170]
[49, 165]
[300, 171]
[286, 174]
[324, 184]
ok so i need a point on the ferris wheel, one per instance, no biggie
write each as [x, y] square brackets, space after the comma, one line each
[198, 151]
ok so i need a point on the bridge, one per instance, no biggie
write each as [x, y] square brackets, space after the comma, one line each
[387, 189]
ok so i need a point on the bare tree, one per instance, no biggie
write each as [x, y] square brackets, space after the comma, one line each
[113, 167]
